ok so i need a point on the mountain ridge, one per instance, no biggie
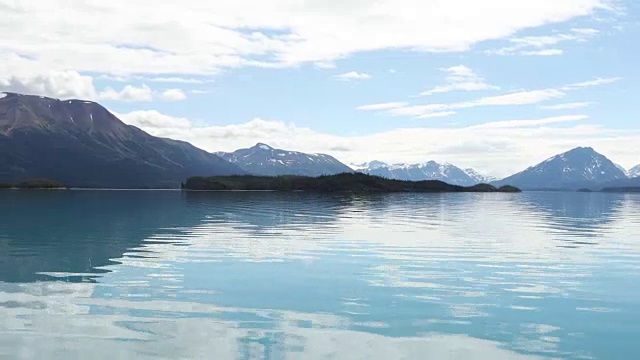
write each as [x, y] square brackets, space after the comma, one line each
[576, 168]
[634, 172]
[82, 144]
[429, 170]
[262, 159]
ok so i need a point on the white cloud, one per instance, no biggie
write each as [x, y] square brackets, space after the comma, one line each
[71, 84]
[173, 95]
[177, 80]
[544, 52]
[591, 83]
[498, 148]
[156, 123]
[353, 75]
[420, 110]
[516, 98]
[221, 35]
[460, 78]
[154, 119]
[530, 123]
[530, 97]
[325, 64]
[115, 78]
[438, 114]
[539, 45]
[56, 84]
[566, 106]
[382, 106]
[439, 110]
[129, 93]
[201, 92]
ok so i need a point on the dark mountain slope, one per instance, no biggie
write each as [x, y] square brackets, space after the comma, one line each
[80, 143]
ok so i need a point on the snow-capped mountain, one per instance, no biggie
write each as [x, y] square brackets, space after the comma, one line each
[580, 167]
[634, 172]
[426, 171]
[479, 178]
[262, 159]
[622, 168]
[365, 167]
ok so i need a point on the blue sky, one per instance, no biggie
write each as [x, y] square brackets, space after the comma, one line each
[496, 85]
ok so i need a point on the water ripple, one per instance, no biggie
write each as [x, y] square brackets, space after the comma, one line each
[286, 276]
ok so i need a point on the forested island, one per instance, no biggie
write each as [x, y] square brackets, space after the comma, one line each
[622, 189]
[34, 184]
[347, 182]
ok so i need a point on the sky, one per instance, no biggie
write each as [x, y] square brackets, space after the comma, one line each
[497, 85]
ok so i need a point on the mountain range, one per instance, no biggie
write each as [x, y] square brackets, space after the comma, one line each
[430, 170]
[264, 160]
[82, 144]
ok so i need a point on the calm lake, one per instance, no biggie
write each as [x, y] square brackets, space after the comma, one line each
[172, 275]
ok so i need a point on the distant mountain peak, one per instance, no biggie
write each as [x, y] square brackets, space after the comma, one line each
[429, 170]
[263, 146]
[578, 166]
[474, 174]
[376, 164]
[262, 159]
[27, 97]
[48, 115]
[581, 148]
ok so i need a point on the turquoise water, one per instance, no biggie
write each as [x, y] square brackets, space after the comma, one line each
[171, 275]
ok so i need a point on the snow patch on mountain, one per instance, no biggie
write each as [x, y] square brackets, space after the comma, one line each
[429, 170]
[578, 167]
[478, 177]
[263, 159]
[364, 167]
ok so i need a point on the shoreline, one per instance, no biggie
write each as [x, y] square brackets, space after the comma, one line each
[338, 183]
[306, 191]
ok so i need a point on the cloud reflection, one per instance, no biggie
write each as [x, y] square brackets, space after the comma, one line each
[264, 275]
[119, 329]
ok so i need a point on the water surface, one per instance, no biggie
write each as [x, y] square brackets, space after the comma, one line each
[172, 275]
